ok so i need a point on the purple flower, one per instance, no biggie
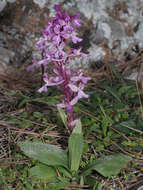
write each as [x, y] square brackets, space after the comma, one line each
[79, 77]
[53, 81]
[75, 39]
[53, 51]
[77, 52]
[56, 39]
[78, 90]
[57, 29]
[41, 44]
[32, 67]
[43, 62]
[76, 22]
[57, 7]
[43, 89]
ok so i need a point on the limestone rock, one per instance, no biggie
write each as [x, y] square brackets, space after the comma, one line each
[3, 3]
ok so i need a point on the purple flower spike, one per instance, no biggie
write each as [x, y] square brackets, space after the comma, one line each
[58, 31]
[57, 7]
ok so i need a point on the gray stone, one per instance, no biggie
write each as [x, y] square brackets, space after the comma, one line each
[6, 55]
[140, 188]
[3, 3]
[41, 3]
[109, 20]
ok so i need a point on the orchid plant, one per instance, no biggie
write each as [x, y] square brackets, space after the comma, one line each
[56, 165]
[59, 30]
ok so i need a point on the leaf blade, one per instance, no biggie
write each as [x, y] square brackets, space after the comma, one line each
[108, 165]
[63, 116]
[45, 153]
[75, 146]
[43, 172]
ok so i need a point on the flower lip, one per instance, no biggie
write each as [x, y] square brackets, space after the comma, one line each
[69, 109]
[43, 89]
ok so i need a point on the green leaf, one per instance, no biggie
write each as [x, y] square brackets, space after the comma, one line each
[37, 114]
[23, 102]
[124, 89]
[114, 70]
[64, 171]
[28, 186]
[106, 121]
[108, 165]
[75, 146]
[47, 100]
[63, 116]
[59, 185]
[47, 154]
[111, 165]
[43, 172]
[78, 128]
[113, 92]
[123, 126]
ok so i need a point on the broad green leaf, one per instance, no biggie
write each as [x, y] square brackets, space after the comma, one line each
[111, 165]
[108, 165]
[63, 116]
[47, 154]
[43, 172]
[75, 146]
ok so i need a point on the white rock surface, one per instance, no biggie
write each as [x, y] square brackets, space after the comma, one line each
[41, 3]
[106, 26]
[3, 3]
[111, 20]
[5, 57]
[11, 1]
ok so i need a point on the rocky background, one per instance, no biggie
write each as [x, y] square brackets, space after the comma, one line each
[112, 30]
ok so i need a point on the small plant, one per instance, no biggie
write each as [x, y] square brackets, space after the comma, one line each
[55, 164]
